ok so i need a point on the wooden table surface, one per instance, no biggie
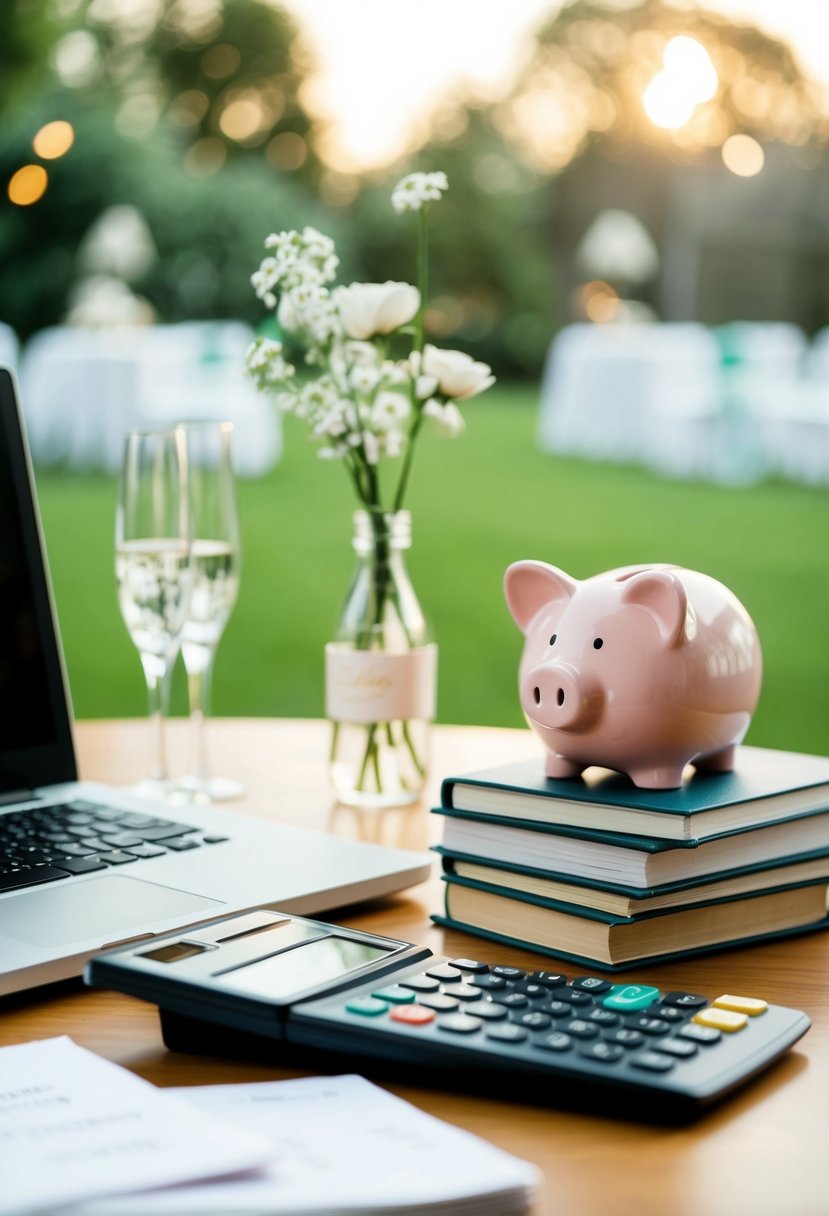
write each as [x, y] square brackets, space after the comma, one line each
[765, 1152]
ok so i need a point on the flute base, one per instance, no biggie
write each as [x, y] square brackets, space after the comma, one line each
[191, 789]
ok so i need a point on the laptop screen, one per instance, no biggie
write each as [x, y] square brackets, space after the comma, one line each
[35, 732]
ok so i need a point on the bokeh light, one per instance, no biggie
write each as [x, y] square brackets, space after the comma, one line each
[688, 79]
[28, 185]
[53, 140]
[743, 155]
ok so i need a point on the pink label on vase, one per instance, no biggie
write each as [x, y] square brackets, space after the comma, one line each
[375, 686]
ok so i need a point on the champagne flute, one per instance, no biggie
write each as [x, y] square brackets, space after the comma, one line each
[216, 561]
[153, 567]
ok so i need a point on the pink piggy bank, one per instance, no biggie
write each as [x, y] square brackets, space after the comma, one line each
[643, 669]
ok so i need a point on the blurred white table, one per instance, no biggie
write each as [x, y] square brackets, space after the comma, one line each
[83, 389]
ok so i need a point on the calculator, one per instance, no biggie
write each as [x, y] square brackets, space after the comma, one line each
[306, 994]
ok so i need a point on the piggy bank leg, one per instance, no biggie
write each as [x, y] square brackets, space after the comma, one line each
[666, 777]
[717, 762]
[559, 766]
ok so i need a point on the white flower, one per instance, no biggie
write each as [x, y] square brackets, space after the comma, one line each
[361, 354]
[375, 308]
[266, 364]
[447, 416]
[413, 191]
[390, 410]
[364, 379]
[457, 374]
[425, 386]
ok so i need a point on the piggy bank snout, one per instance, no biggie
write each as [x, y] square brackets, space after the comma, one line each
[558, 695]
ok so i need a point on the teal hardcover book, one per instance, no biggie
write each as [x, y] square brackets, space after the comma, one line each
[626, 901]
[766, 786]
[598, 939]
[625, 860]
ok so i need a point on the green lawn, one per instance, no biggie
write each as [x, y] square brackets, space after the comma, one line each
[478, 502]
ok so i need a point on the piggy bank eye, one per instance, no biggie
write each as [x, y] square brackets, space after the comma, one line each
[553, 639]
[598, 643]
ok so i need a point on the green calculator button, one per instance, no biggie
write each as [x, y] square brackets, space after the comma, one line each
[395, 995]
[627, 998]
[368, 1006]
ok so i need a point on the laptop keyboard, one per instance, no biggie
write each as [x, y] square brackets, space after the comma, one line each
[45, 844]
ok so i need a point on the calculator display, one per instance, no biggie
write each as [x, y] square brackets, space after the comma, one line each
[306, 966]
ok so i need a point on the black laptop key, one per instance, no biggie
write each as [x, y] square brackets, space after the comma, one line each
[172, 829]
[30, 877]
[83, 865]
[180, 843]
[116, 858]
[145, 850]
[121, 840]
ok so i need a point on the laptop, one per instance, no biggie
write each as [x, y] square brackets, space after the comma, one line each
[84, 867]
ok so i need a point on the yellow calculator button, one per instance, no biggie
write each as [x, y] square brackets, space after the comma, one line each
[741, 1004]
[721, 1019]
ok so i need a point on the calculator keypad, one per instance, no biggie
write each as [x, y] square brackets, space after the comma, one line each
[612, 1025]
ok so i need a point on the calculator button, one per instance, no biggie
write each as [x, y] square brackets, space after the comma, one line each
[513, 1000]
[465, 992]
[654, 1026]
[591, 983]
[741, 1004]
[652, 1061]
[460, 1023]
[685, 1000]
[508, 1033]
[670, 1013]
[536, 992]
[421, 983]
[630, 997]
[487, 1011]
[700, 1034]
[468, 964]
[366, 1006]
[394, 994]
[603, 1017]
[534, 1021]
[580, 1029]
[680, 1048]
[509, 973]
[550, 979]
[488, 982]
[572, 996]
[558, 1009]
[438, 1001]
[442, 971]
[412, 1015]
[557, 1041]
[605, 1053]
[721, 1019]
[626, 1038]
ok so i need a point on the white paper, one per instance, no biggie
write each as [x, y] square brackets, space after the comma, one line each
[343, 1145]
[74, 1126]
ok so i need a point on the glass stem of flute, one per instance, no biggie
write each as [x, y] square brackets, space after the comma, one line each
[198, 663]
[157, 674]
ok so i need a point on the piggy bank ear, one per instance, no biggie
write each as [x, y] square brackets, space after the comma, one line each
[662, 594]
[529, 585]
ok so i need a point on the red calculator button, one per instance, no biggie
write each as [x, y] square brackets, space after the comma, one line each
[413, 1015]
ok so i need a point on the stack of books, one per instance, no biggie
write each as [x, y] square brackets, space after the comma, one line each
[599, 871]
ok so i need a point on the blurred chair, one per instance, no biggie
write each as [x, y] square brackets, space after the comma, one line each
[9, 347]
[645, 393]
[83, 389]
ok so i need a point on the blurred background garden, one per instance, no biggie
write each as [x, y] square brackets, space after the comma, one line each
[635, 238]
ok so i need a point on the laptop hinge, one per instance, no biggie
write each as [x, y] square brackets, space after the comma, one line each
[17, 796]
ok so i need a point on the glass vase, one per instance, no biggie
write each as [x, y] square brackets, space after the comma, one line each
[380, 673]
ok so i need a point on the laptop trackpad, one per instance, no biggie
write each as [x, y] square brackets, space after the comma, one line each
[103, 909]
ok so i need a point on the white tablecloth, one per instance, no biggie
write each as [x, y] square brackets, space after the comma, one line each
[82, 390]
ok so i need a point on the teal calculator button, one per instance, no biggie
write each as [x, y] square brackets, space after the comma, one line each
[367, 1006]
[395, 995]
[629, 997]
